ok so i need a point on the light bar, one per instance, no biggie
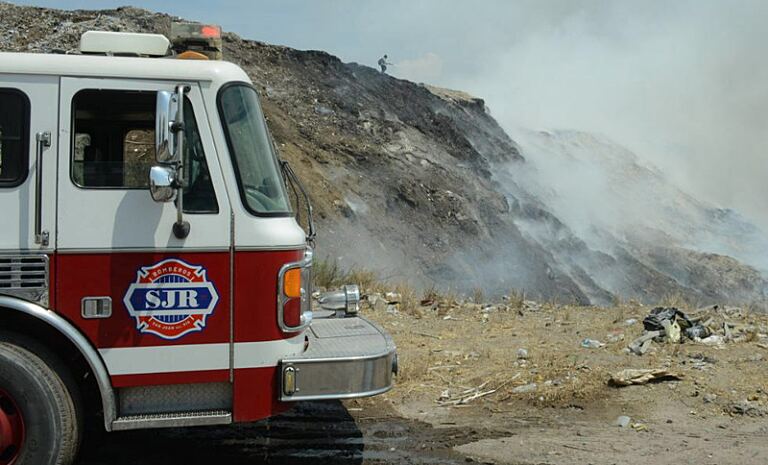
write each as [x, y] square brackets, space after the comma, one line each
[124, 43]
[199, 38]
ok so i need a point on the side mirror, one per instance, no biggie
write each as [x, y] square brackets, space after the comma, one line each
[166, 109]
[162, 183]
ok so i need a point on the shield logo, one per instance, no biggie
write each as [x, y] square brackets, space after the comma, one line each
[171, 299]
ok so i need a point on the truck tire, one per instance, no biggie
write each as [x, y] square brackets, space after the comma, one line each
[38, 420]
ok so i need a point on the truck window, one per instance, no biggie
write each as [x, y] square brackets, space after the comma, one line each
[14, 137]
[258, 175]
[114, 145]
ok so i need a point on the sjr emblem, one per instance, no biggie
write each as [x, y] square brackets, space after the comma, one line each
[171, 298]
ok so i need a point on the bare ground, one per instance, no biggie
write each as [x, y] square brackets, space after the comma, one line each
[717, 413]
[714, 414]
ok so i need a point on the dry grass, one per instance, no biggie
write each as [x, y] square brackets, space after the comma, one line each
[453, 345]
[328, 274]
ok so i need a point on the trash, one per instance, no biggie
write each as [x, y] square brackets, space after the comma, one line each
[641, 376]
[630, 322]
[713, 340]
[525, 388]
[639, 427]
[671, 331]
[697, 331]
[622, 421]
[709, 398]
[654, 320]
[588, 343]
[641, 345]
[392, 309]
[522, 354]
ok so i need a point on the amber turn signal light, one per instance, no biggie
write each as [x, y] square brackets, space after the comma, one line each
[292, 283]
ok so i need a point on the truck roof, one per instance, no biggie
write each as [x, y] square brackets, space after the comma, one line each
[217, 72]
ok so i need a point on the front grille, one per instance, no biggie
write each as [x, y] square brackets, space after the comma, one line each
[25, 276]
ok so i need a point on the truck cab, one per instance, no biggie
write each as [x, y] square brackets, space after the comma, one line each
[152, 269]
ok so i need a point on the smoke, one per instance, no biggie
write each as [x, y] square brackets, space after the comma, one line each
[683, 84]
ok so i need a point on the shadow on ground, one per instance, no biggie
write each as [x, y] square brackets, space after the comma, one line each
[315, 433]
[311, 433]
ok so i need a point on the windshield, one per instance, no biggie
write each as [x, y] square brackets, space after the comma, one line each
[261, 186]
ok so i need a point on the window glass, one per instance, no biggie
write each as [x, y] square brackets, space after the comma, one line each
[261, 185]
[114, 145]
[14, 134]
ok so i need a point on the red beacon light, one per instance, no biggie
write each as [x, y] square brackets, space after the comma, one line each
[211, 32]
[196, 41]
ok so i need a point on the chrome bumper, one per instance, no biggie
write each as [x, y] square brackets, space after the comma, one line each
[345, 358]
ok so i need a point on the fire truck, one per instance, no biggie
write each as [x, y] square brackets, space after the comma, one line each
[153, 271]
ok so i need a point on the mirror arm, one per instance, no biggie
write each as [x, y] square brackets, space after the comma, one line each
[290, 174]
[180, 227]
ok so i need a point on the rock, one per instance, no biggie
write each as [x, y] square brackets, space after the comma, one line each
[378, 304]
[709, 398]
[622, 421]
[630, 322]
[392, 309]
[323, 110]
[393, 297]
[525, 388]
[747, 408]
[522, 354]
[588, 343]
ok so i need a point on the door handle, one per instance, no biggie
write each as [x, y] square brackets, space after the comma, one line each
[43, 142]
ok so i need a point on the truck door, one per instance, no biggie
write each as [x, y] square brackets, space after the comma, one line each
[27, 128]
[157, 307]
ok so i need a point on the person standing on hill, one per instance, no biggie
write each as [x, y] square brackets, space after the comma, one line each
[383, 63]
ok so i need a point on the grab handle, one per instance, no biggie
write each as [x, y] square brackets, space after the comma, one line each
[43, 142]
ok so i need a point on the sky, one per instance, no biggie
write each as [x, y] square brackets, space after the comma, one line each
[683, 83]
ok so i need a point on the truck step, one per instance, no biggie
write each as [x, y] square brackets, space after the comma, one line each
[173, 420]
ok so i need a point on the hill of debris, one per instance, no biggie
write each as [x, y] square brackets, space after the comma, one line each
[421, 184]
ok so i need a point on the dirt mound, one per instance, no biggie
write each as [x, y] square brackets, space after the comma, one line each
[415, 182]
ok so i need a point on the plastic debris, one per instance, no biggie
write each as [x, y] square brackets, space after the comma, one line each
[713, 340]
[622, 421]
[655, 320]
[697, 331]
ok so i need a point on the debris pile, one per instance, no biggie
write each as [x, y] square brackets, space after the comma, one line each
[712, 326]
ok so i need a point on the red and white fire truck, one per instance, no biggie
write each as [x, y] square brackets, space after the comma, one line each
[152, 269]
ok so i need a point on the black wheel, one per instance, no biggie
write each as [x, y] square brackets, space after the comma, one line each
[38, 419]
